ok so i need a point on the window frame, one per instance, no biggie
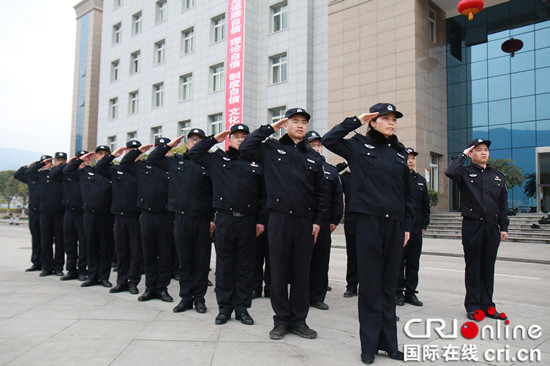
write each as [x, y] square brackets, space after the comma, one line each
[113, 108]
[215, 125]
[161, 11]
[160, 52]
[279, 10]
[115, 70]
[117, 33]
[133, 102]
[275, 117]
[214, 74]
[188, 37]
[137, 20]
[158, 95]
[186, 84]
[221, 26]
[135, 58]
[282, 67]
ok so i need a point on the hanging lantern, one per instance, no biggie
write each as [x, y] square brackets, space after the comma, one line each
[512, 46]
[470, 7]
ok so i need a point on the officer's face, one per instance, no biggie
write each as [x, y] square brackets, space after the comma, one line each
[58, 161]
[296, 127]
[192, 141]
[480, 154]
[317, 146]
[100, 154]
[236, 138]
[411, 161]
[385, 124]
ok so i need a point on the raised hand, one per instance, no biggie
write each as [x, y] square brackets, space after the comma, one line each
[118, 152]
[367, 117]
[279, 124]
[220, 137]
[175, 142]
[144, 148]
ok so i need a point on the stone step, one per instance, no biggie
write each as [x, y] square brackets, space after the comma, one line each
[510, 238]
[537, 235]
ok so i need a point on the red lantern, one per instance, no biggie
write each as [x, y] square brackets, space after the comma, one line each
[470, 7]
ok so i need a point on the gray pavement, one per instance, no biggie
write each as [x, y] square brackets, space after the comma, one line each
[44, 321]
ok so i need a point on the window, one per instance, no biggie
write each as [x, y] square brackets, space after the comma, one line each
[136, 23]
[158, 95]
[278, 68]
[186, 87]
[116, 33]
[432, 29]
[187, 4]
[111, 142]
[217, 77]
[434, 171]
[117, 4]
[160, 47]
[133, 102]
[277, 114]
[113, 108]
[216, 123]
[161, 12]
[155, 132]
[218, 28]
[279, 16]
[115, 70]
[184, 127]
[135, 62]
[131, 136]
[187, 40]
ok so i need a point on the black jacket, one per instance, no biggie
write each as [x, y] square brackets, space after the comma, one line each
[96, 190]
[484, 194]
[294, 177]
[34, 190]
[421, 201]
[380, 180]
[345, 178]
[51, 191]
[335, 193]
[72, 197]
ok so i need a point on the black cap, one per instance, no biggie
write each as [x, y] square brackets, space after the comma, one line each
[300, 111]
[161, 140]
[60, 155]
[410, 150]
[476, 142]
[80, 153]
[239, 127]
[385, 108]
[133, 144]
[196, 131]
[103, 147]
[44, 157]
[312, 135]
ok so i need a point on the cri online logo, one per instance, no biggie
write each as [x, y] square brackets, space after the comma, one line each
[469, 329]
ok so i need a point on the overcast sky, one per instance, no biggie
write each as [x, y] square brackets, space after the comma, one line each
[37, 38]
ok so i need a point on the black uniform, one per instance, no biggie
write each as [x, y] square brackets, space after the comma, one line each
[237, 184]
[156, 222]
[34, 214]
[485, 215]
[96, 193]
[410, 261]
[383, 202]
[51, 218]
[190, 200]
[350, 232]
[296, 199]
[262, 268]
[321, 251]
[126, 220]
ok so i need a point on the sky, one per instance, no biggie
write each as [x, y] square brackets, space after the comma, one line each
[37, 38]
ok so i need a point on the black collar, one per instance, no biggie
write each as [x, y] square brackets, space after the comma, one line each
[381, 139]
[232, 153]
[302, 145]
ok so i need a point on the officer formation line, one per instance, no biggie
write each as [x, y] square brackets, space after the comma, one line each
[269, 206]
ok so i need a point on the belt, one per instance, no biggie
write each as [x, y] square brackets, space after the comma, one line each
[231, 213]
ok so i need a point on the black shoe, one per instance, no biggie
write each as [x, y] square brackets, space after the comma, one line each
[396, 355]
[255, 294]
[34, 267]
[45, 273]
[245, 318]
[105, 283]
[221, 319]
[349, 293]
[278, 332]
[266, 293]
[89, 283]
[82, 277]
[496, 315]
[319, 305]
[147, 295]
[304, 331]
[470, 315]
[119, 288]
[58, 273]
[200, 307]
[132, 288]
[177, 277]
[329, 288]
[400, 299]
[182, 306]
[413, 300]
[165, 296]
[367, 358]
[69, 276]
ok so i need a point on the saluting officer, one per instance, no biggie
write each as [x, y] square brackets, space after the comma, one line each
[410, 261]
[383, 200]
[237, 183]
[156, 222]
[297, 201]
[484, 223]
[126, 218]
[318, 278]
[51, 214]
[190, 199]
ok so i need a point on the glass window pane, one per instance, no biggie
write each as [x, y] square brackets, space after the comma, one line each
[543, 132]
[542, 57]
[543, 80]
[499, 87]
[542, 38]
[523, 134]
[499, 112]
[500, 136]
[523, 61]
[478, 52]
[543, 106]
[478, 70]
[481, 132]
[499, 66]
[523, 83]
[479, 91]
[480, 114]
[523, 109]
[500, 153]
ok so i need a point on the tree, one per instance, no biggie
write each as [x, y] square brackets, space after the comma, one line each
[9, 187]
[514, 174]
[434, 197]
[530, 187]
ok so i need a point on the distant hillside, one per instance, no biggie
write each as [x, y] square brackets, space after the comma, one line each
[12, 159]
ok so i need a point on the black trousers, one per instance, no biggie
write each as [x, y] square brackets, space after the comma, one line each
[318, 274]
[157, 239]
[128, 249]
[235, 241]
[410, 264]
[351, 251]
[193, 244]
[290, 249]
[379, 248]
[51, 231]
[74, 242]
[262, 276]
[98, 235]
[34, 228]
[480, 241]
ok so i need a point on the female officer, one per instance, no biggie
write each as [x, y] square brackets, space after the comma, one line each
[383, 202]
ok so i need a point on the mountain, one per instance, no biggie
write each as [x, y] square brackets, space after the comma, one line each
[13, 159]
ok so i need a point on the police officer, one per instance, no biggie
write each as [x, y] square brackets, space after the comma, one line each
[156, 222]
[383, 201]
[410, 261]
[34, 213]
[484, 223]
[126, 218]
[237, 183]
[318, 278]
[51, 214]
[190, 199]
[96, 193]
[297, 202]
[350, 229]
[262, 268]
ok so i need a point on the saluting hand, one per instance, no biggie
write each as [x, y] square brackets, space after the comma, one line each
[315, 232]
[119, 151]
[407, 237]
[279, 124]
[86, 158]
[175, 142]
[259, 229]
[47, 161]
[367, 117]
[468, 150]
[144, 148]
[220, 137]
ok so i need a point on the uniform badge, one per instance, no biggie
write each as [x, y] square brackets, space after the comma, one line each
[310, 161]
[282, 152]
[498, 179]
[90, 173]
[401, 156]
[119, 172]
[226, 158]
[180, 162]
[148, 166]
[473, 175]
[254, 165]
[420, 184]
[369, 146]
